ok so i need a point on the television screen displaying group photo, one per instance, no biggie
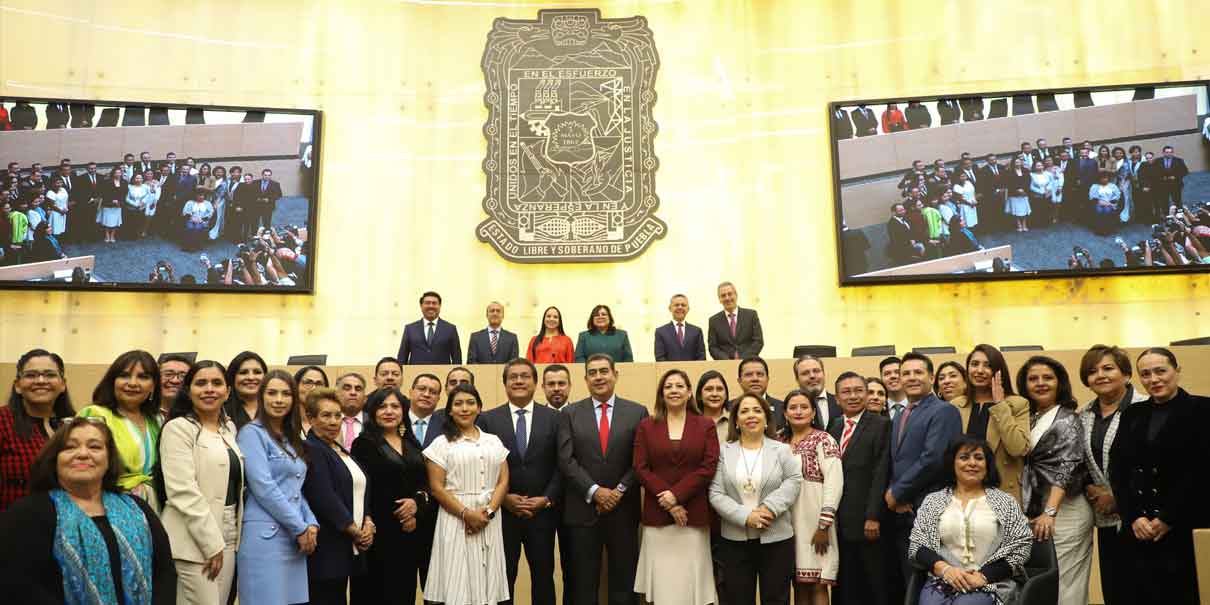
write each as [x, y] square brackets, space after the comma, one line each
[1046, 183]
[130, 196]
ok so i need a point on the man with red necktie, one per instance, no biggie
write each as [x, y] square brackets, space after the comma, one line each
[601, 501]
[734, 333]
[679, 340]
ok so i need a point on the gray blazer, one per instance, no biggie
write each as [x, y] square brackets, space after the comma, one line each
[781, 476]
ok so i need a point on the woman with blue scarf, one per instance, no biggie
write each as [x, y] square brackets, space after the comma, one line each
[78, 539]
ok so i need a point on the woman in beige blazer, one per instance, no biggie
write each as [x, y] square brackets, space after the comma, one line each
[998, 415]
[203, 480]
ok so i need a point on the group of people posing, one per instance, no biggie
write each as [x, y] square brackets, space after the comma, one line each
[941, 209]
[180, 201]
[190, 482]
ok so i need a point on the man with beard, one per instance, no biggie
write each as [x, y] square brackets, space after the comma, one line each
[754, 378]
[809, 372]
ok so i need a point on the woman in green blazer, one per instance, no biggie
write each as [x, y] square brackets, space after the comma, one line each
[602, 337]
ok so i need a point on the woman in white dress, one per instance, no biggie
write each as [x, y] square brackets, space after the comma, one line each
[1040, 188]
[964, 190]
[468, 475]
[1122, 171]
[151, 201]
[816, 558]
[220, 200]
[136, 205]
[56, 207]
[109, 211]
[1056, 190]
[1017, 182]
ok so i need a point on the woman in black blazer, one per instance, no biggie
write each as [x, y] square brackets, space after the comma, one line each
[400, 502]
[338, 492]
[1158, 479]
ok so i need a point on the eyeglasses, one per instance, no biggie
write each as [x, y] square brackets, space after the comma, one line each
[307, 382]
[74, 420]
[32, 375]
[173, 375]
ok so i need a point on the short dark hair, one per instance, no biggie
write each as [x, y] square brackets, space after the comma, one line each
[427, 376]
[886, 361]
[387, 359]
[460, 369]
[912, 355]
[599, 357]
[106, 395]
[802, 358]
[847, 376]
[518, 361]
[1092, 358]
[177, 357]
[555, 367]
[1167, 147]
[739, 370]
[964, 442]
[428, 294]
[44, 471]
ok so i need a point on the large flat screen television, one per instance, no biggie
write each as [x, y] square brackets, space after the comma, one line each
[1009, 185]
[144, 196]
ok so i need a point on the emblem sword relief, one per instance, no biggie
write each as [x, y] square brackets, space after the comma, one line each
[570, 135]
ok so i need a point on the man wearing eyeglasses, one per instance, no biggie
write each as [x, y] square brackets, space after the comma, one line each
[173, 368]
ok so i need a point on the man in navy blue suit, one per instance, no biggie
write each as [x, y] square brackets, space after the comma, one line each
[427, 423]
[679, 340]
[918, 441]
[430, 340]
[530, 432]
[492, 344]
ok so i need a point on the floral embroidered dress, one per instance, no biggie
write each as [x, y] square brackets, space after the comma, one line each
[822, 485]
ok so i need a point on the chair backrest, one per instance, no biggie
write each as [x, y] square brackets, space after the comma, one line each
[998, 109]
[1144, 93]
[1008, 348]
[1083, 98]
[879, 350]
[934, 350]
[190, 355]
[135, 115]
[816, 350]
[254, 116]
[1201, 340]
[158, 116]
[1047, 102]
[1022, 104]
[195, 116]
[1042, 571]
[109, 117]
[307, 360]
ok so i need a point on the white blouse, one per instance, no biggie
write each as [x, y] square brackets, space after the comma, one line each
[359, 490]
[968, 531]
[747, 481]
[1042, 425]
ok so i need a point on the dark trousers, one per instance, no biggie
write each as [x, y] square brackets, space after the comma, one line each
[390, 578]
[861, 560]
[565, 560]
[264, 217]
[1158, 572]
[328, 592]
[716, 556]
[537, 535]
[896, 534]
[1109, 551]
[745, 564]
[619, 536]
[1169, 194]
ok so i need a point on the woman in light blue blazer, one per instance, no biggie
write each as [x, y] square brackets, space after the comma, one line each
[755, 485]
[279, 529]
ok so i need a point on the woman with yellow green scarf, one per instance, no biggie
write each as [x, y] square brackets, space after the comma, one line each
[128, 399]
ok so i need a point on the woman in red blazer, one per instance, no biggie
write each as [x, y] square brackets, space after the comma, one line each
[675, 455]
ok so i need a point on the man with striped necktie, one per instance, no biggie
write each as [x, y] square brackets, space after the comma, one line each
[864, 439]
[492, 344]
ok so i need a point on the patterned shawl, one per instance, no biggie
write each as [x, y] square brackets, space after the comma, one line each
[83, 557]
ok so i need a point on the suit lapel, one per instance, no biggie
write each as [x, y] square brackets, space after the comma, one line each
[858, 431]
[768, 465]
[509, 435]
[618, 416]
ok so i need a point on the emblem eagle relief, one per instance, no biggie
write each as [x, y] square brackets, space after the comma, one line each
[570, 135]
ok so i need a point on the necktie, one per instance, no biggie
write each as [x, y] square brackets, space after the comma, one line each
[1167, 164]
[348, 440]
[680, 333]
[264, 185]
[604, 428]
[522, 437]
[731, 321]
[428, 336]
[420, 429]
[495, 340]
[895, 411]
[903, 420]
[849, 423]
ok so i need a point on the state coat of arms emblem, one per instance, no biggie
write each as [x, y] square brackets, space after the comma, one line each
[570, 134]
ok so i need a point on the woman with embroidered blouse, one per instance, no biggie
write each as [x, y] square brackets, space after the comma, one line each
[970, 537]
[817, 561]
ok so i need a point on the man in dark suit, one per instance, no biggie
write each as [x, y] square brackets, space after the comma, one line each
[967, 167]
[734, 332]
[949, 111]
[145, 163]
[917, 115]
[601, 505]
[679, 340]
[1086, 177]
[351, 388]
[865, 123]
[1170, 172]
[492, 344]
[753, 376]
[183, 188]
[430, 340]
[842, 128]
[86, 194]
[901, 247]
[427, 423]
[809, 372]
[972, 109]
[1041, 151]
[530, 431]
[1145, 200]
[556, 387]
[918, 441]
[912, 176]
[170, 162]
[268, 191]
[864, 440]
[23, 117]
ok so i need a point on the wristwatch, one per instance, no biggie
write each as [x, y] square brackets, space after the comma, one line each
[491, 514]
[1052, 511]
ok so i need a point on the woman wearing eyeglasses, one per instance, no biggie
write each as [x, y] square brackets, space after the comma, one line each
[38, 400]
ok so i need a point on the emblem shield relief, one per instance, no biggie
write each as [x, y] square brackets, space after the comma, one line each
[570, 160]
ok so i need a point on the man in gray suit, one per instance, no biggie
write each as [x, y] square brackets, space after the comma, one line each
[492, 344]
[601, 502]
